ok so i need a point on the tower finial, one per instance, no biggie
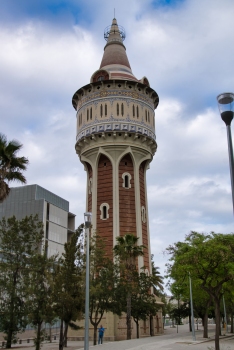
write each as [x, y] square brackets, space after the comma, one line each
[114, 12]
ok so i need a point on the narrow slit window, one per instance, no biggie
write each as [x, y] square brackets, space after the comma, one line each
[117, 109]
[146, 115]
[101, 110]
[87, 114]
[126, 181]
[137, 111]
[104, 212]
[91, 116]
[105, 109]
[104, 207]
[133, 111]
[122, 109]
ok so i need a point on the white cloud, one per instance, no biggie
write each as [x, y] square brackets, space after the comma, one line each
[184, 50]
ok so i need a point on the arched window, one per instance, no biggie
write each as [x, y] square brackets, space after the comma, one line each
[143, 214]
[104, 212]
[91, 114]
[90, 185]
[87, 114]
[122, 109]
[105, 109]
[133, 111]
[104, 208]
[126, 180]
[117, 109]
[137, 111]
[101, 110]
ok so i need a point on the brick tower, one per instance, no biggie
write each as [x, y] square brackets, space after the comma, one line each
[115, 141]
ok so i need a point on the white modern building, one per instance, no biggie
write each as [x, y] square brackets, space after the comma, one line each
[52, 210]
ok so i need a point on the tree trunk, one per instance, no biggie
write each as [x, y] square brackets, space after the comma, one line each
[137, 328]
[128, 319]
[205, 324]
[190, 323]
[61, 336]
[95, 333]
[151, 326]
[38, 337]
[9, 337]
[217, 321]
[65, 335]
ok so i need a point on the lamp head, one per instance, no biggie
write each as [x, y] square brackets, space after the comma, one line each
[226, 106]
[87, 219]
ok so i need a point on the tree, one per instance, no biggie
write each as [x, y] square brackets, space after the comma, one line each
[20, 242]
[103, 276]
[68, 294]
[40, 303]
[143, 302]
[210, 260]
[156, 278]
[126, 252]
[11, 166]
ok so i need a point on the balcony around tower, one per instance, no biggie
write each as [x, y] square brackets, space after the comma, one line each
[111, 107]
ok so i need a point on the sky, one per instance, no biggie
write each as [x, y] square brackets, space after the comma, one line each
[50, 48]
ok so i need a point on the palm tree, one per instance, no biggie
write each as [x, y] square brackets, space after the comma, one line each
[11, 166]
[157, 279]
[127, 251]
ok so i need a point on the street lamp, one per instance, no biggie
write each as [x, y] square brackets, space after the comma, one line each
[226, 107]
[87, 219]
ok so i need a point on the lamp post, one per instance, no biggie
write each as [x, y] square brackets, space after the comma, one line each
[226, 107]
[87, 219]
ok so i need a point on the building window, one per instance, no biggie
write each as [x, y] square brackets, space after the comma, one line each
[91, 114]
[101, 111]
[137, 111]
[90, 185]
[146, 115]
[100, 78]
[126, 180]
[87, 114]
[133, 111]
[122, 109]
[143, 214]
[105, 109]
[117, 109]
[104, 208]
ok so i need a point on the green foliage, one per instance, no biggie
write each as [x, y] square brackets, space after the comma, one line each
[20, 243]
[103, 276]
[210, 261]
[68, 293]
[126, 253]
[11, 166]
[40, 284]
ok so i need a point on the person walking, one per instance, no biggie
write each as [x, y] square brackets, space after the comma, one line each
[101, 331]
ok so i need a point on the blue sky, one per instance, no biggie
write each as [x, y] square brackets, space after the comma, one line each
[51, 48]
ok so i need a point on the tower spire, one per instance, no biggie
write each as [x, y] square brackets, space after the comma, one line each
[115, 59]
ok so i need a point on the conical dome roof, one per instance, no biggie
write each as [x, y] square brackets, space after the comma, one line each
[115, 61]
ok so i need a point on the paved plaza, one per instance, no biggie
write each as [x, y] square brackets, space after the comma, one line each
[170, 340]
